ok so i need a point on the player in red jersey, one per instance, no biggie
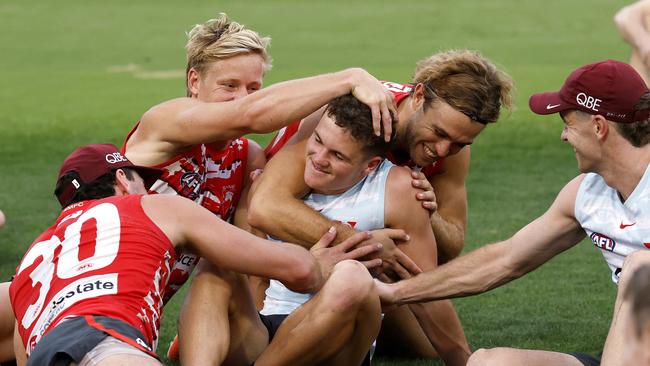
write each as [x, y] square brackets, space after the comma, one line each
[198, 141]
[90, 288]
[451, 99]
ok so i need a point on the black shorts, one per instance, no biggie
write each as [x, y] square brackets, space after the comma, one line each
[72, 339]
[587, 360]
[272, 323]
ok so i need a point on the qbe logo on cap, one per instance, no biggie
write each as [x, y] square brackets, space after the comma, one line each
[588, 101]
[115, 157]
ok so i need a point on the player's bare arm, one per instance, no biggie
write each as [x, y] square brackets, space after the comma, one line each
[276, 208]
[447, 203]
[175, 125]
[437, 319]
[449, 220]
[235, 249]
[496, 264]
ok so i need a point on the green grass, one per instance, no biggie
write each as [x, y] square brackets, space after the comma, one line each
[58, 92]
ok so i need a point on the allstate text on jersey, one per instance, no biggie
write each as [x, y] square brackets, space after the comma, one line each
[84, 288]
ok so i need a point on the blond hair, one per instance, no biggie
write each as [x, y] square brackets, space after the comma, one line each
[467, 81]
[219, 39]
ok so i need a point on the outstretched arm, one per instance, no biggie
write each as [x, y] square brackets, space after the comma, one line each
[183, 122]
[496, 264]
[227, 246]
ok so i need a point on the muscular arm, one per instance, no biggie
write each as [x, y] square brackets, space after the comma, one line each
[438, 319]
[449, 221]
[172, 126]
[227, 246]
[276, 208]
[496, 264]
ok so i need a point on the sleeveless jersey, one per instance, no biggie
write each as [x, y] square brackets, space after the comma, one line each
[616, 228]
[361, 207]
[211, 177]
[102, 257]
[400, 92]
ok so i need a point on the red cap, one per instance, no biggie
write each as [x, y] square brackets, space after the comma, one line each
[91, 162]
[609, 88]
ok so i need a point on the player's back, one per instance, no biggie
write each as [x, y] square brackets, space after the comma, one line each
[101, 257]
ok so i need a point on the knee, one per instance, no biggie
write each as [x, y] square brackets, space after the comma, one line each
[349, 285]
[492, 356]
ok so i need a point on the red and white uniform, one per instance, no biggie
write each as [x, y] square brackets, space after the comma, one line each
[209, 176]
[101, 257]
[400, 92]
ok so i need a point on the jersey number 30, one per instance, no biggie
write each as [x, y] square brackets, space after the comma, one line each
[106, 246]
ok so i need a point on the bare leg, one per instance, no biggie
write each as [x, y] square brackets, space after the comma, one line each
[402, 336]
[7, 322]
[218, 322]
[616, 341]
[520, 357]
[336, 327]
[436, 320]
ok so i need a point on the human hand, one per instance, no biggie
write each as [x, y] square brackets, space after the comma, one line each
[386, 292]
[327, 256]
[372, 93]
[393, 259]
[428, 195]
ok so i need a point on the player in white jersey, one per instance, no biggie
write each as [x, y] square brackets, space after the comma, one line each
[605, 107]
[351, 183]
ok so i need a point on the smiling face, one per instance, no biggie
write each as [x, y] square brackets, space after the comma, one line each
[578, 132]
[436, 132]
[228, 79]
[335, 160]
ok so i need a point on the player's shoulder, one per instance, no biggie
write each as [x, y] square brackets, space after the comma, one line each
[399, 181]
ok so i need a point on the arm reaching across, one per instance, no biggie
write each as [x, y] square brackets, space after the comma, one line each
[496, 264]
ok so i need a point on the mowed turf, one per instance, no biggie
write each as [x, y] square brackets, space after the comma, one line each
[77, 72]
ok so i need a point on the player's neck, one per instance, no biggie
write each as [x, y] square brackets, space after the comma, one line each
[625, 170]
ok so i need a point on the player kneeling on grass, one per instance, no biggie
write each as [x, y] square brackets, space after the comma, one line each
[90, 288]
[606, 110]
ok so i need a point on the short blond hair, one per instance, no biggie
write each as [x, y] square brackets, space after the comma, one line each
[219, 39]
[467, 81]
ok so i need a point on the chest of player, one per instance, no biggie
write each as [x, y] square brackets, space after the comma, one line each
[213, 178]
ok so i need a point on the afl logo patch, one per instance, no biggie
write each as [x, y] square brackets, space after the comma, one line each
[190, 184]
[603, 242]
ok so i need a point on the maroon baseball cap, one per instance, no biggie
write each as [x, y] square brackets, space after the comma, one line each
[609, 88]
[91, 162]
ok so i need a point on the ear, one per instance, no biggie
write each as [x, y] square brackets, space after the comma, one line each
[600, 127]
[122, 183]
[193, 80]
[372, 165]
[417, 98]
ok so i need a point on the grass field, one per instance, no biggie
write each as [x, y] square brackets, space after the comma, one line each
[76, 71]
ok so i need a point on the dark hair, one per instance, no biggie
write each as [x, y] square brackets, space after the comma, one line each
[356, 118]
[637, 133]
[636, 293]
[467, 81]
[102, 187]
